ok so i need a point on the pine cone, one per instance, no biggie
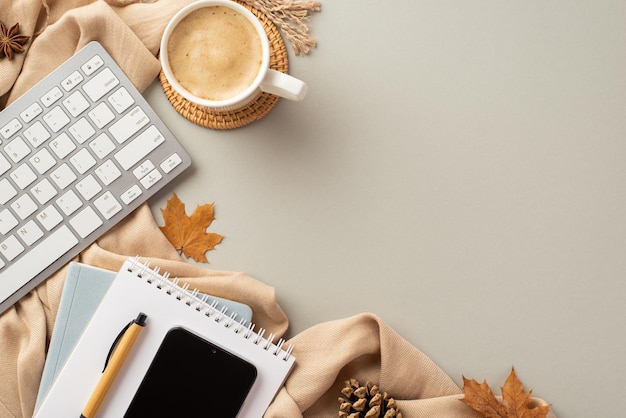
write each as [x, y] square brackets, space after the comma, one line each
[366, 402]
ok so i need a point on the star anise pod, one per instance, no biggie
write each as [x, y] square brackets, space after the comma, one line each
[11, 42]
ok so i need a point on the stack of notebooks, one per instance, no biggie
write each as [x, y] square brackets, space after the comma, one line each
[196, 354]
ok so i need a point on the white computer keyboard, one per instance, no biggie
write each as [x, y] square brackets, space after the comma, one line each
[78, 152]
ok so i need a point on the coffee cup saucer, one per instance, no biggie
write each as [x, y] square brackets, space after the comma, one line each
[253, 111]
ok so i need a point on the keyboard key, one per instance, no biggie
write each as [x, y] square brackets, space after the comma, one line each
[82, 161]
[108, 172]
[51, 97]
[23, 176]
[100, 84]
[56, 119]
[82, 130]
[7, 221]
[49, 217]
[76, 103]
[107, 205]
[43, 161]
[101, 115]
[62, 146]
[171, 163]
[121, 100]
[7, 191]
[72, 81]
[130, 124]
[43, 191]
[88, 187]
[86, 222]
[17, 149]
[131, 194]
[10, 128]
[151, 179]
[102, 146]
[63, 176]
[139, 147]
[29, 233]
[11, 248]
[31, 112]
[143, 169]
[92, 65]
[24, 206]
[69, 202]
[37, 134]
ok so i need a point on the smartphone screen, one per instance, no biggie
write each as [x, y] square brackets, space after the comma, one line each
[190, 375]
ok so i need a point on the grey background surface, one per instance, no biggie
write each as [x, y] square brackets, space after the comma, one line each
[457, 168]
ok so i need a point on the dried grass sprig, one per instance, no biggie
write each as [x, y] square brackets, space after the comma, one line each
[292, 18]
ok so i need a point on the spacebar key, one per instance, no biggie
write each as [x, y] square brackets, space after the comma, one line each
[36, 260]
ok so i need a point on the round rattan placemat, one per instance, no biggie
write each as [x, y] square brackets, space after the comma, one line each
[253, 111]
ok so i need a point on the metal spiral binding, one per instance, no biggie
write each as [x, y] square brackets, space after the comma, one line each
[191, 299]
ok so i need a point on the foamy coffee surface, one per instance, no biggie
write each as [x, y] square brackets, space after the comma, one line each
[214, 52]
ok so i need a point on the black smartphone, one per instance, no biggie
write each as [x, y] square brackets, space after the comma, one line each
[190, 376]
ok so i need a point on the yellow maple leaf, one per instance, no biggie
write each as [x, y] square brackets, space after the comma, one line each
[516, 403]
[188, 233]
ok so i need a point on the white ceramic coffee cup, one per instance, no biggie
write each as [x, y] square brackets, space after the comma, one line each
[267, 80]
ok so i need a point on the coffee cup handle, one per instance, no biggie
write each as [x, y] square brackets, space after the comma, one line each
[283, 85]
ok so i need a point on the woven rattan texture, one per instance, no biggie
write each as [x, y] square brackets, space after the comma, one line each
[253, 111]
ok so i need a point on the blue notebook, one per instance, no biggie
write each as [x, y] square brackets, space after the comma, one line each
[84, 289]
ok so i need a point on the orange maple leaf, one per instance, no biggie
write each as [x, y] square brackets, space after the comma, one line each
[516, 403]
[188, 233]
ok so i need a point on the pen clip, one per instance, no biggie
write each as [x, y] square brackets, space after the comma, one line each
[117, 340]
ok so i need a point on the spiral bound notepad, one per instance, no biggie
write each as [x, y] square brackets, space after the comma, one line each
[168, 306]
